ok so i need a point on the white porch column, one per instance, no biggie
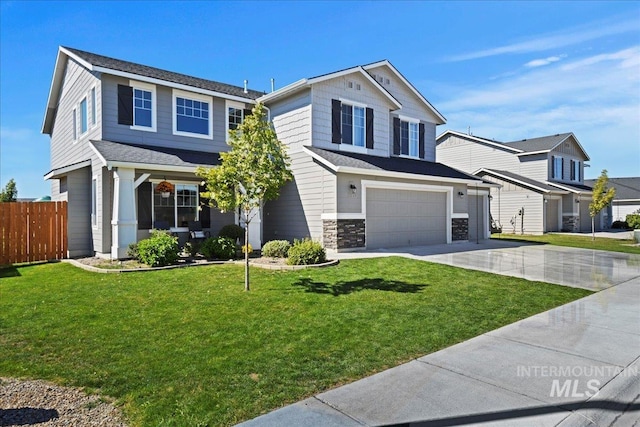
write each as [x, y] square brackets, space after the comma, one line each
[124, 224]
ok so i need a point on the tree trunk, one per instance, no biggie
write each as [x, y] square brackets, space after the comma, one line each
[593, 228]
[246, 256]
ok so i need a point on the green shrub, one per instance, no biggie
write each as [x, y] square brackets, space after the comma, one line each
[305, 252]
[232, 231]
[192, 248]
[159, 249]
[620, 225]
[132, 251]
[276, 248]
[633, 220]
[218, 247]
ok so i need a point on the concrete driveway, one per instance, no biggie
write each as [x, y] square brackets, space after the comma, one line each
[575, 365]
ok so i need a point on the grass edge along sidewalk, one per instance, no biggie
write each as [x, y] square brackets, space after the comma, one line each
[190, 347]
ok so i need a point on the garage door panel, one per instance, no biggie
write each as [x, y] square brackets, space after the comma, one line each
[404, 218]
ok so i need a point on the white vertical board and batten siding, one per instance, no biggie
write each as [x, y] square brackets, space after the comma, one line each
[297, 212]
[412, 106]
[568, 150]
[163, 137]
[337, 88]
[77, 84]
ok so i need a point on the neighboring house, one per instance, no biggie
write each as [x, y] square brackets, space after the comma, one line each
[541, 180]
[362, 143]
[626, 201]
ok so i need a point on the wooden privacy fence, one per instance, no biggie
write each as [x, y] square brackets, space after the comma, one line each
[33, 231]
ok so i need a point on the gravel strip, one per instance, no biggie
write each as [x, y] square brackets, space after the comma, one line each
[45, 404]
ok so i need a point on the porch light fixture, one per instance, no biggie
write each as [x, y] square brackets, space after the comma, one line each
[353, 188]
[460, 194]
[577, 200]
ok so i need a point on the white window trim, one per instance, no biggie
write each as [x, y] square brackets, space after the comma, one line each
[231, 104]
[154, 111]
[356, 148]
[173, 227]
[74, 124]
[196, 97]
[409, 120]
[93, 95]
[86, 101]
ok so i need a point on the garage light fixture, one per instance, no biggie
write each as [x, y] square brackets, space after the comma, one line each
[353, 188]
[460, 194]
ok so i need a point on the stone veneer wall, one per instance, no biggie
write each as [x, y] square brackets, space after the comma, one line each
[343, 233]
[459, 229]
[571, 223]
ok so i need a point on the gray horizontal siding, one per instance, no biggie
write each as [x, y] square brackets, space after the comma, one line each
[163, 137]
[470, 156]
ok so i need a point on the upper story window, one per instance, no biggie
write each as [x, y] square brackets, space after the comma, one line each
[137, 106]
[236, 112]
[191, 115]
[84, 124]
[142, 108]
[575, 170]
[557, 167]
[352, 124]
[408, 137]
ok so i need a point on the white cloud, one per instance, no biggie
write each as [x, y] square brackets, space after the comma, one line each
[545, 61]
[597, 98]
[569, 37]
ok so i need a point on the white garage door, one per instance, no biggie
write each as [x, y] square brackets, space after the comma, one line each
[405, 218]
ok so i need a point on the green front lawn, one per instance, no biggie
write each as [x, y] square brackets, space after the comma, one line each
[190, 347]
[561, 239]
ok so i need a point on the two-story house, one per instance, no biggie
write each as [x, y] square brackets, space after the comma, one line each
[541, 179]
[117, 130]
[362, 143]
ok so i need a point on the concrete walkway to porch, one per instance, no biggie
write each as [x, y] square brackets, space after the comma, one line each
[575, 365]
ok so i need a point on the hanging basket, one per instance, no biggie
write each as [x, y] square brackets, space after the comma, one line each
[164, 187]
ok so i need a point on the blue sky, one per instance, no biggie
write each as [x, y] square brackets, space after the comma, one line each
[507, 70]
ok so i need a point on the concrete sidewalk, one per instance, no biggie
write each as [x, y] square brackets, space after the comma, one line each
[575, 365]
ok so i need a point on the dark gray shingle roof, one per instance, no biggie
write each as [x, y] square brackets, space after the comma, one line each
[514, 177]
[131, 153]
[392, 164]
[626, 188]
[543, 143]
[157, 73]
[576, 188]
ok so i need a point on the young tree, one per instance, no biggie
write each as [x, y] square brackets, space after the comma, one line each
[251, 173]
[602, 197]
[10, 192]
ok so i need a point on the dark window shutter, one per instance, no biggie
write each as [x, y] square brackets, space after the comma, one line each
[144, 206]
[205, 213]
[572, 171]
[125, 105]
[553, 166]
[396, 136]
[579, 170]
[336, 128]
[421, 140]
[369, 120]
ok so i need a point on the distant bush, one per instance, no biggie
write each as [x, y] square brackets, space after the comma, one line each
[306, 252]
[633, 221]
[620, 225]
[232, 231]
[218, 247]
[192, 248]
[159, 249]
[132, 251]
[276, 249]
